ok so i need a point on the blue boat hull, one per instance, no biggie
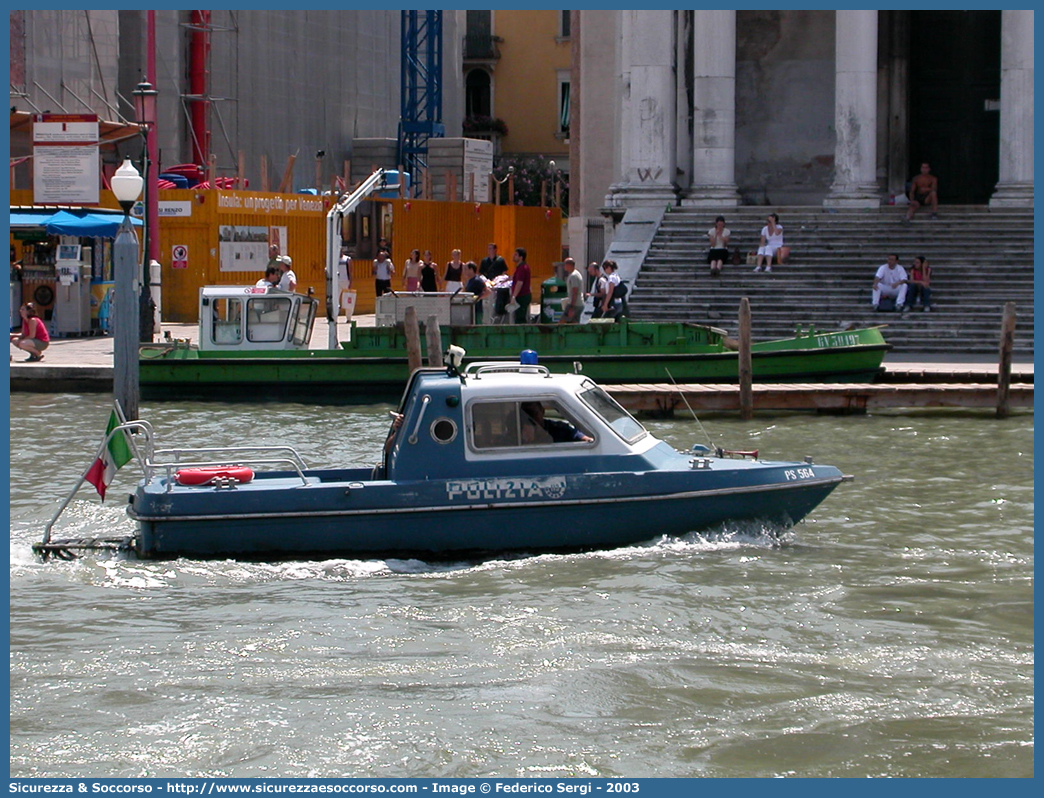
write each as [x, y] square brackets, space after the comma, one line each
[348, 513]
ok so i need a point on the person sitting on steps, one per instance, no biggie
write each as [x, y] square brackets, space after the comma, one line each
[924, 190]
[771, 242]
[890, 281]
[920, 281]
[718, 236]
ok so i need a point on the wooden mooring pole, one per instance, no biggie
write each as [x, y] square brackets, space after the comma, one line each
[746, 392]
[434, 338]
[1007, 343]
[413, 346]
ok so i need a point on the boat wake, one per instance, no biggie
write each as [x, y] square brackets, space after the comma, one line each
[123, 569]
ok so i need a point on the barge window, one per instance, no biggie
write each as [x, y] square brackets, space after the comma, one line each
[227, 328]
[615, 416]
[267, 317]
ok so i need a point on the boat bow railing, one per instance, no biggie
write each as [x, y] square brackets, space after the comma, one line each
[136, 447]
[152, 461]
[168, 460]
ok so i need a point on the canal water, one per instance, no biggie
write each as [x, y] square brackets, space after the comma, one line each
[891, 634]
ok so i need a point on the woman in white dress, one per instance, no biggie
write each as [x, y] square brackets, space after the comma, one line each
[771, 241]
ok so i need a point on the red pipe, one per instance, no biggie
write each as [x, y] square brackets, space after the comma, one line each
[151, 145]
[199, 50]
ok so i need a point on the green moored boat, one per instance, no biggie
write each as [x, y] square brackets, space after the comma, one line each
[253, 345]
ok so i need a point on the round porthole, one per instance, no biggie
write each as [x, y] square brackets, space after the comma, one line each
[443, 430]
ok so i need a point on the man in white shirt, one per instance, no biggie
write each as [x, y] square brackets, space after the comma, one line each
[890, 281]
[574, 301]
[273, 274]
[383, 269]
[288, 282]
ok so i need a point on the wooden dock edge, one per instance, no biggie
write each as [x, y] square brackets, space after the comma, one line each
[665, 400]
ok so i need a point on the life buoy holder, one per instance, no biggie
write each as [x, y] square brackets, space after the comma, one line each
[204, 475]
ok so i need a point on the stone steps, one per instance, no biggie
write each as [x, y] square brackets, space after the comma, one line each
[827, 280]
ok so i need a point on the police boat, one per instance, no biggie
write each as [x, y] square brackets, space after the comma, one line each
[493, 457]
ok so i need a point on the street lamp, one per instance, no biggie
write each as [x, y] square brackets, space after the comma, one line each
[126, 185]
[145, 114]
[145, 104]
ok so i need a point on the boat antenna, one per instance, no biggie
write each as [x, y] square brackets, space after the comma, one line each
[681, 393]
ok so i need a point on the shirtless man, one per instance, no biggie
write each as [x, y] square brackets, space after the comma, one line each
[924, 190]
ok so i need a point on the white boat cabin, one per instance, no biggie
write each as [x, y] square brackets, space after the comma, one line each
[254, 318]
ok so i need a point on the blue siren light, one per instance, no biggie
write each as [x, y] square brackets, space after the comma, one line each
[528, 357]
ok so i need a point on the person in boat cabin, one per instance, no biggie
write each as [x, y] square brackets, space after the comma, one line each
[34, 337]
[574, 301]
[429, 277]
[411, 272]
[273, 274]
[454, 275]
[597, 292]
[521, 289]
[288, 282]
[383, 269]
[536, 428]
[890, 281]
[478, 285]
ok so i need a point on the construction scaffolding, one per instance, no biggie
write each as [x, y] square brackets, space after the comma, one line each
[421, 117]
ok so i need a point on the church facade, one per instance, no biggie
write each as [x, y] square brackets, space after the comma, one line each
[834, 108]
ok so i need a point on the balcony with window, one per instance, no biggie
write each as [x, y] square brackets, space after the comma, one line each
[481, 48]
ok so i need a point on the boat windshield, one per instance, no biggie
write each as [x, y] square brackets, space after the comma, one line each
[615, 416]
[267, 318]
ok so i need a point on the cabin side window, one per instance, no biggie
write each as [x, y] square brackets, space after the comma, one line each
[267, 318]
[494, 425]
[500, 425]
[227, 329]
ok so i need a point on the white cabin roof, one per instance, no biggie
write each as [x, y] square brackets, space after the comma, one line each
[235, 291]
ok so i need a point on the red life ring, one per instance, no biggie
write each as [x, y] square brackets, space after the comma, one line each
[204, 475]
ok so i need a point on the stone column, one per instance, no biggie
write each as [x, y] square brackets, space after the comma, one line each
[714, 110]
[855, 112]
[647, 125]
[1015, 185]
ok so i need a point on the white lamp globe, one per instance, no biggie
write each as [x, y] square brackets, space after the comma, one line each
[126, 184]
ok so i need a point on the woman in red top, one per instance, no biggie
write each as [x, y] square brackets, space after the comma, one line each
[919, 283]
[34, 337]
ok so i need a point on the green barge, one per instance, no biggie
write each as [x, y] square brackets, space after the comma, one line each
[253, 345]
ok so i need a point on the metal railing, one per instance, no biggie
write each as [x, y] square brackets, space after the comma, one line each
[481, 47]
[152, 460]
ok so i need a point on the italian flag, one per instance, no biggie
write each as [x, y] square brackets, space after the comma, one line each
[110, 459]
